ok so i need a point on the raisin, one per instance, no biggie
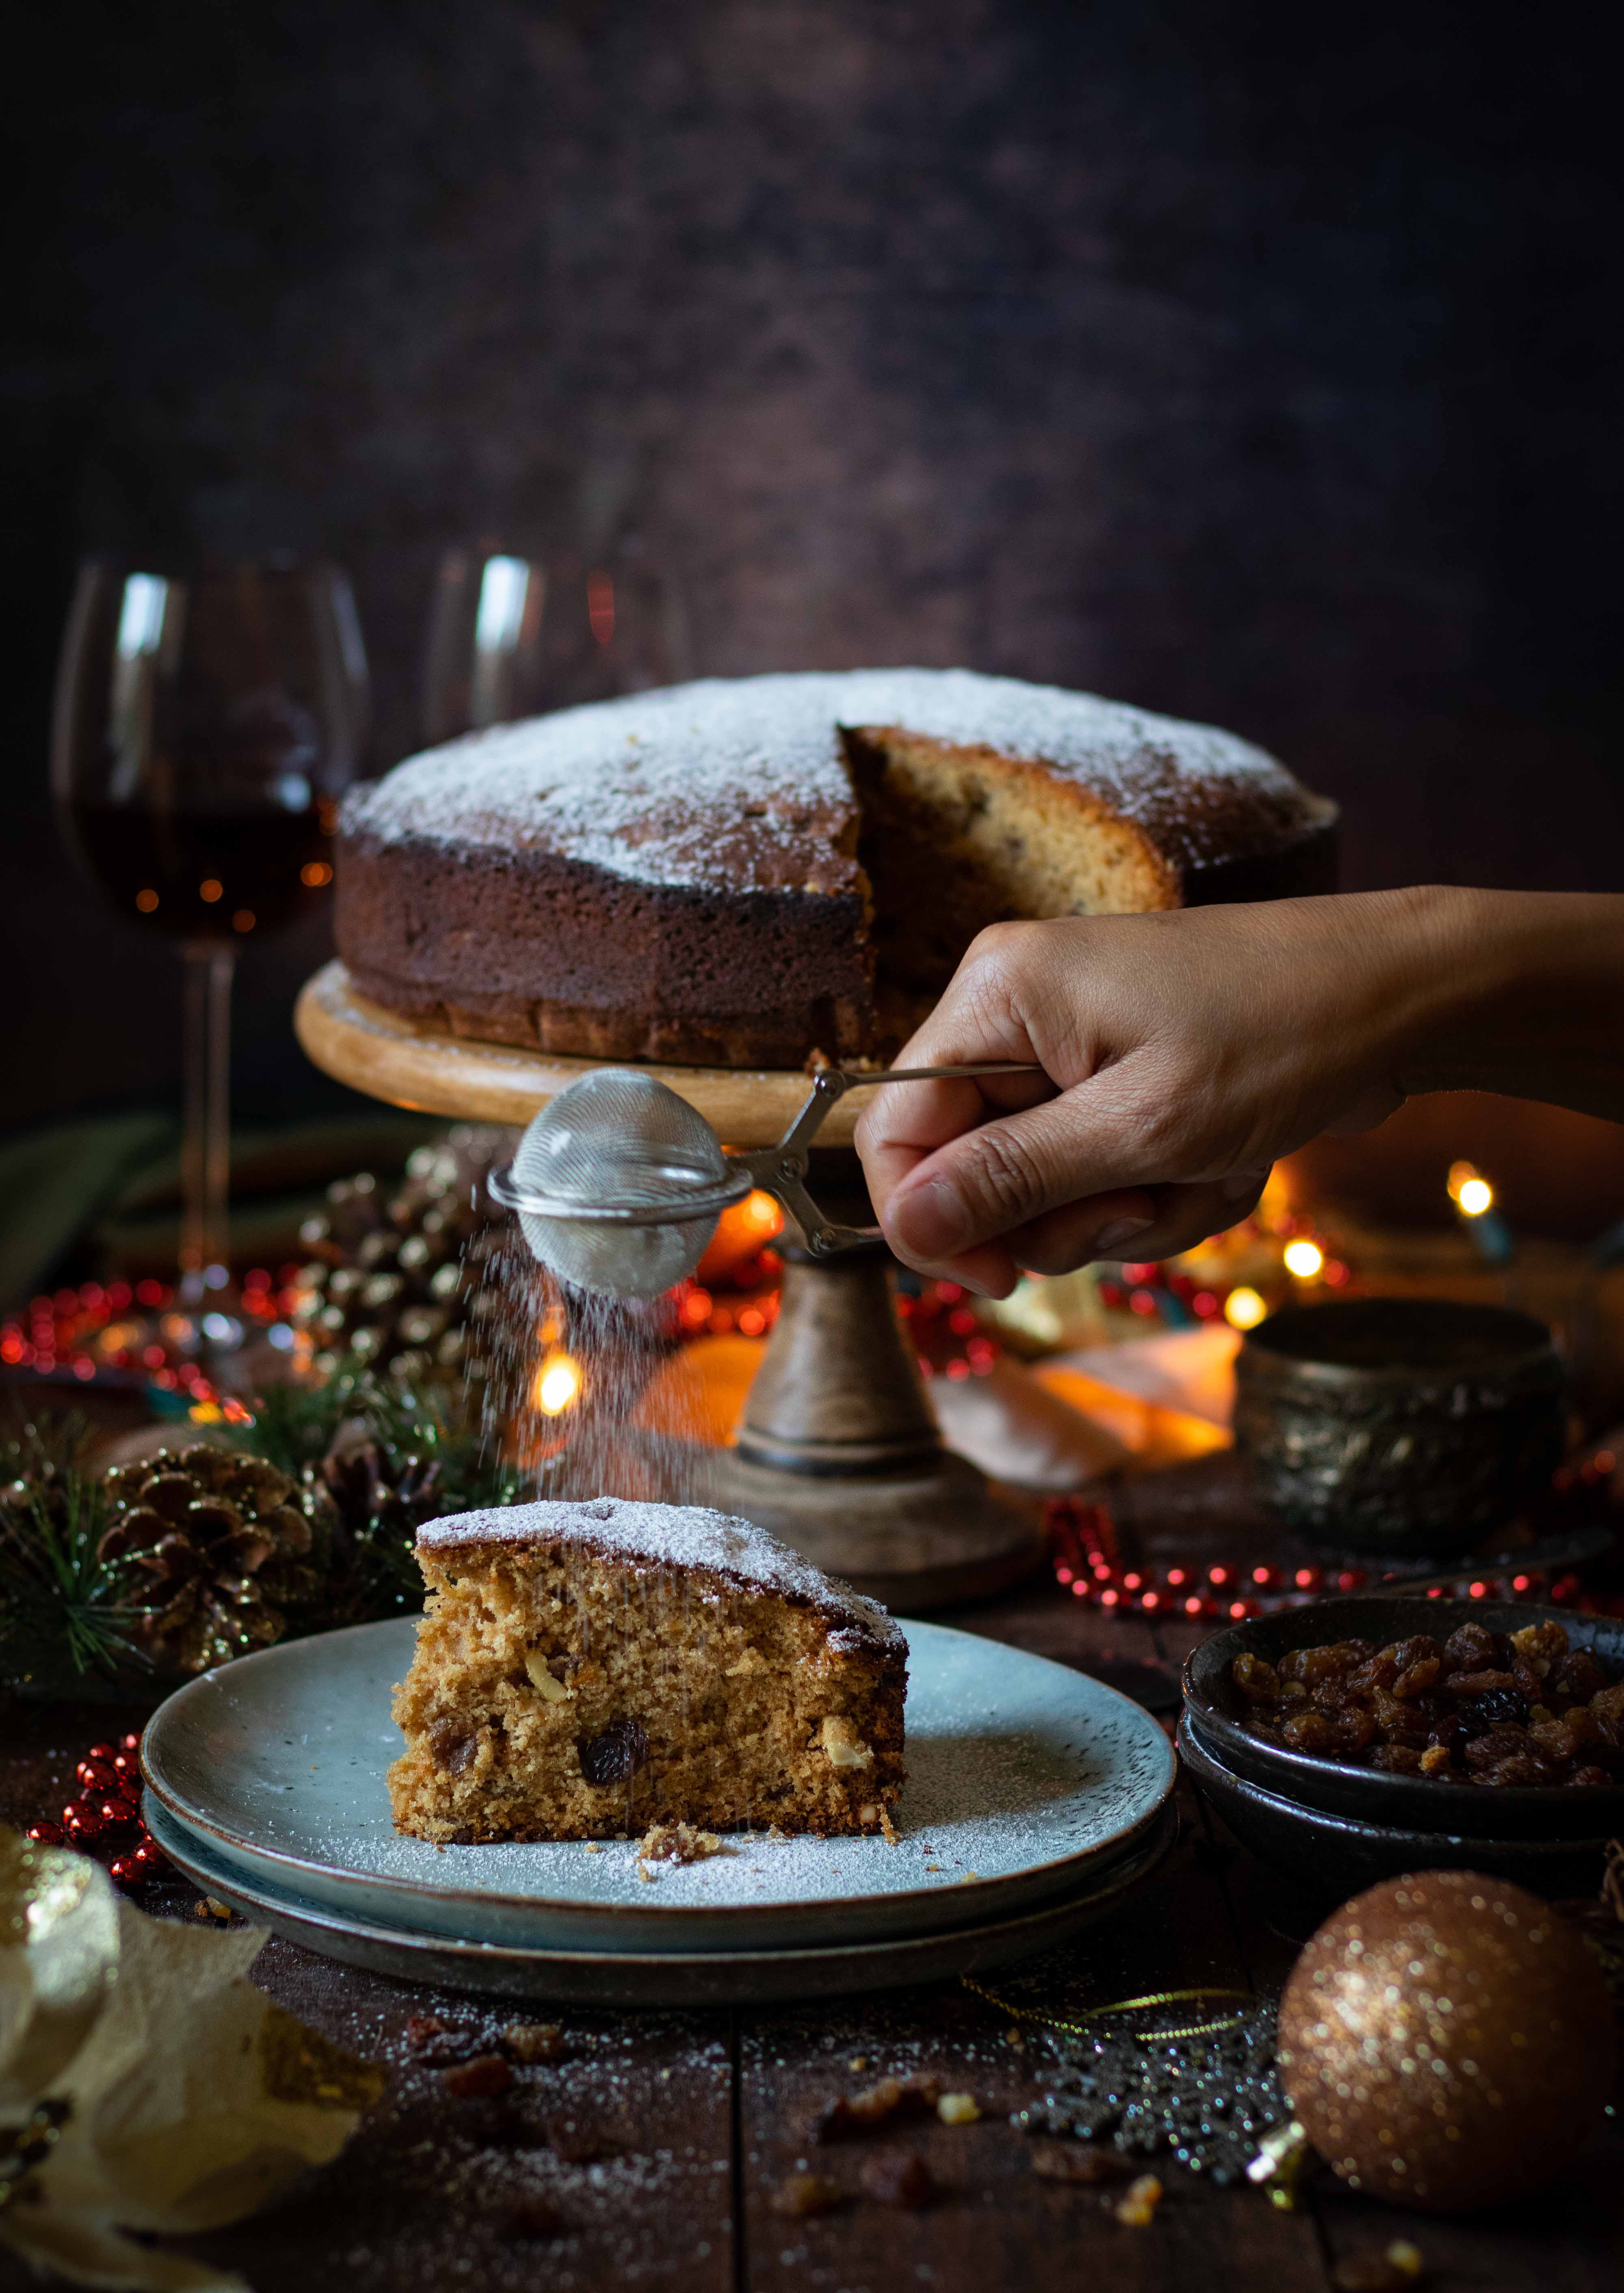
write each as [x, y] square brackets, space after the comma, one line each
[1495, 1707]
[1309, 1731]
[1399, 1723]
[1577, 1674]
[1397, 1759]
[1417, 1678]
[1355, 1727]
[450, 1747]
[899, 2178]
[1379, 1671]
[1521, 1768]
[1479, 1683]
[1588, 1777]
[1417, 1649]
[1256, 1679]
[1469, 1649]
[1563, 1739]
[1333, 1661]
[1500, 1740]
[1528, 1683]
[1608, 1705]
[615, 1756]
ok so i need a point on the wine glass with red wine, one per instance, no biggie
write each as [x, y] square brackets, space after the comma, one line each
[205, 729]
[512, 636]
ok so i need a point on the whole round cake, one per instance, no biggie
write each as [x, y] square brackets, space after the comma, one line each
[746, 872]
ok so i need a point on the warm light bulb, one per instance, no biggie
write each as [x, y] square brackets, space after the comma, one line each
[1304, 1259]
[763, 1212]
[557, 1385]
[1243, 1309]
[1471, 1194]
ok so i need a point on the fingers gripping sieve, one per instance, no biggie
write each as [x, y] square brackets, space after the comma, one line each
[618, 1183]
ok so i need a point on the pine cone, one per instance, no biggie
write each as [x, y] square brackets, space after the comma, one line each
[376, 1498]
[220, 1546]
[388, 1282]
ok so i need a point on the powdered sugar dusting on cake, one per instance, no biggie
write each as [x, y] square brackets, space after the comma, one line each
[639, 786]
[673, 1536]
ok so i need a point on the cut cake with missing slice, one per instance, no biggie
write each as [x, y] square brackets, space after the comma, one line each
[585, 1670]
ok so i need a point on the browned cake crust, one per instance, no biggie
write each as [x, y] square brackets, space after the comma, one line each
[588, 1671]
[740, 872]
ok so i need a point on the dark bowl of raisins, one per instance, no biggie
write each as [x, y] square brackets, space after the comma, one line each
[1403, 1426]
[1489, 1720]
[1335, 1856]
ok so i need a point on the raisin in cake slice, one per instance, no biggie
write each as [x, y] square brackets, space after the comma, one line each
[584, 1670]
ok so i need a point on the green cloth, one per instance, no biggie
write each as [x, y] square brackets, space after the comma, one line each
[112, 1185]
[52, 1181]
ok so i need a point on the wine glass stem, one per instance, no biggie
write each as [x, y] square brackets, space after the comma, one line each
[206, 1143]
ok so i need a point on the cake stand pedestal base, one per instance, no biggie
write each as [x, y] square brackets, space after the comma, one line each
[839, 1452]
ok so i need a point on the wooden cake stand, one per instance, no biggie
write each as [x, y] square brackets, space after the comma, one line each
[838, 1451]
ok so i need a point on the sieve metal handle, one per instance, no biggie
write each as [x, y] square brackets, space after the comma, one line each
[781, 1169]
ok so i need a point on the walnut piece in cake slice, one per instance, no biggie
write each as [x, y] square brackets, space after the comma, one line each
[584, 1670]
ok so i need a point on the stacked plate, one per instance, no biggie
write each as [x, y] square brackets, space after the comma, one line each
[1336, 1828]
[1037, 1798]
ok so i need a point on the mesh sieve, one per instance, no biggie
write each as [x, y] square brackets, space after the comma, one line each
[617, 1184]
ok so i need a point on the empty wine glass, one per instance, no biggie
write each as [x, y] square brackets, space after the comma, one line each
[204, 730]
[510, 636]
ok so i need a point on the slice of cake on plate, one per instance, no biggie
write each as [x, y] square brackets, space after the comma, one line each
[585, 1671]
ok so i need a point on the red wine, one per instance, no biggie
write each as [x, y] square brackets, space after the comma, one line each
[206, 875]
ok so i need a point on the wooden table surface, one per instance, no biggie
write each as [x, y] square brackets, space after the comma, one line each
[706, 2114]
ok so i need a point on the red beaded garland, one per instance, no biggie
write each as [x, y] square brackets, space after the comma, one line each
[1086, 1560]
[109, 1808]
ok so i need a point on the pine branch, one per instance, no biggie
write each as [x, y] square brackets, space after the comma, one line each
[67, 1618]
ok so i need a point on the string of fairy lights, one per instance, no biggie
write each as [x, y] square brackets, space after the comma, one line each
[131, 1332]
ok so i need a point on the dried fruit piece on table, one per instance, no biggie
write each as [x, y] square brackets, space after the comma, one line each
[803, 2195]
[534, 2042]
[889, 2098]
[1136, 2206]
[899, 2177]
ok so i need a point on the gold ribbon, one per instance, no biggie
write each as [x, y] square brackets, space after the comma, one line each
[1151, 1999]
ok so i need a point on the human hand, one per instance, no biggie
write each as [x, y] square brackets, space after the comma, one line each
[1182, 1053]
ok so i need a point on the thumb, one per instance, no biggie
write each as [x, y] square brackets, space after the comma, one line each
[992, 1180]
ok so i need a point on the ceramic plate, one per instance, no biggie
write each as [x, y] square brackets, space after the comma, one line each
[665, 1978]
[1023, 1777]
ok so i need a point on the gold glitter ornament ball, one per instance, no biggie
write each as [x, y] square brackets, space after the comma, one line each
[1447, 2040]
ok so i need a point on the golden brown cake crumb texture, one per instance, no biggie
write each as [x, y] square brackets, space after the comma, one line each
[559, 1693]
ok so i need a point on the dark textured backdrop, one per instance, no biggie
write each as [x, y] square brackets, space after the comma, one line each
[1251, 362]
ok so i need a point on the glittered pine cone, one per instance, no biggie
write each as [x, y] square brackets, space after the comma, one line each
[391, 1278]
[218, 1547]
[376, 1491]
